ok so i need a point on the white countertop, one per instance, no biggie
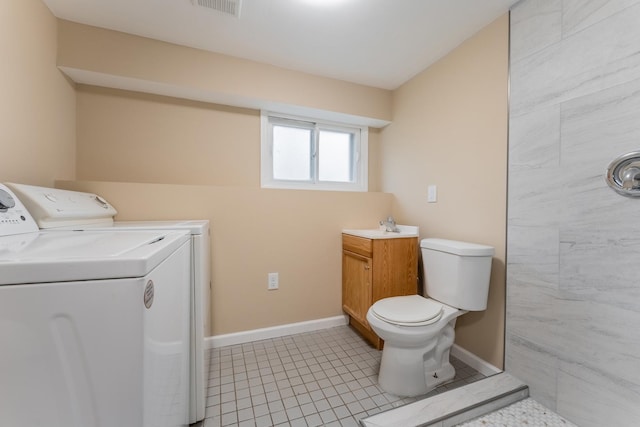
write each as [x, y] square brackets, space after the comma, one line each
[375, 233]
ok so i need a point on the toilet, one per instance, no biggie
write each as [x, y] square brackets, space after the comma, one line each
[418, 331]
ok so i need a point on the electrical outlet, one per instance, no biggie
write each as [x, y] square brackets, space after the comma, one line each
[272, 283]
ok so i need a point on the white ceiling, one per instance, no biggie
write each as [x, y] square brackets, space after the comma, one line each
[381, 43]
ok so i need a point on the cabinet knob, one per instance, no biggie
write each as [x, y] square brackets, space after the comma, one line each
[366, 267]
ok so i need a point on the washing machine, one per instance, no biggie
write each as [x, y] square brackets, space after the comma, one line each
[52, 210]
[94, 326]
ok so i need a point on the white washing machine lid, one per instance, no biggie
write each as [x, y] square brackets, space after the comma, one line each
[56, 256]
[410, 310]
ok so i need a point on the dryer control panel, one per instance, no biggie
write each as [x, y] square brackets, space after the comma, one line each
[56, 208]
[14, 217]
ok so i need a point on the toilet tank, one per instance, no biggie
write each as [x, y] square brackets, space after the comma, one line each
[457, 273]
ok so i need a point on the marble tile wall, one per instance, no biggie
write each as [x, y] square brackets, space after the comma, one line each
[573, 245]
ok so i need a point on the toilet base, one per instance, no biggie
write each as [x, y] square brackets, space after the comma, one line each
[411, 371]
[402, 371]
[441, 376]
[401, 376]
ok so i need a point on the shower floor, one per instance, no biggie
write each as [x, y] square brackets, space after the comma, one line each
[526, 412]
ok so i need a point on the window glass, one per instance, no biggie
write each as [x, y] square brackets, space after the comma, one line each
[301, 153]
[291, 153]
[335, 150]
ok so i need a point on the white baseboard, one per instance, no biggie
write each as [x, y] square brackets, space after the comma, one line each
[274, 332]
[217, 341]
[470, 359]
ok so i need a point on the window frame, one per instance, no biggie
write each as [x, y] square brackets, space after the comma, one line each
[360, 161]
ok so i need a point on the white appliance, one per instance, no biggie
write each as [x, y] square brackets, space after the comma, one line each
[94, 325]
[52, 208]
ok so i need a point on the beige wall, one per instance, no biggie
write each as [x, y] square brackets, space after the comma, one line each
[37, 103]
[450, 129]
[132, 137]
[254, 232]
[118, 55]
[133, 149]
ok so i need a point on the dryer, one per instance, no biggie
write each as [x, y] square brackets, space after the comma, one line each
[200, 297]
[53, 209]
[94, 325]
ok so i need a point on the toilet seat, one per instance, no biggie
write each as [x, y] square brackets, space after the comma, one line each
[410, 310]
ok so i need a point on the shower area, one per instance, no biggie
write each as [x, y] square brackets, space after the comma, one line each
[573, 243]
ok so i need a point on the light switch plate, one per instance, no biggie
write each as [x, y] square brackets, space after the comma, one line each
[432, 194]
[272, 284]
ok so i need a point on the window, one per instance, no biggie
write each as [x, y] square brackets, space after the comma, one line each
[307, 154]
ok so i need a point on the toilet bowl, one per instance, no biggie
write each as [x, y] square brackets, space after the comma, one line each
[408, 344]
[418, 331]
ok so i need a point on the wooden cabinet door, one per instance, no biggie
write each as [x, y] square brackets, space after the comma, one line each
[395, 268]
[356, 285]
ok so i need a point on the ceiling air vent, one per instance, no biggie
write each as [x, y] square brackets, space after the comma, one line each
[229, 7]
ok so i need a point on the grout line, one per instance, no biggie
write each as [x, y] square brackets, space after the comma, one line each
[325, 377]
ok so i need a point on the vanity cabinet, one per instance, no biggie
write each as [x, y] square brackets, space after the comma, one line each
[373, 269]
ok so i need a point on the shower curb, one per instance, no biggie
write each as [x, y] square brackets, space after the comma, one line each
[455, 406]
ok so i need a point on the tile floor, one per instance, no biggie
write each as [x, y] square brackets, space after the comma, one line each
[322, 378]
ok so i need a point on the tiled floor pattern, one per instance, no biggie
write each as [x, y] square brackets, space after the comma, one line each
[322, 378]
[526, 412]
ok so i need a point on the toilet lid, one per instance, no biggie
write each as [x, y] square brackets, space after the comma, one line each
[410, 310]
